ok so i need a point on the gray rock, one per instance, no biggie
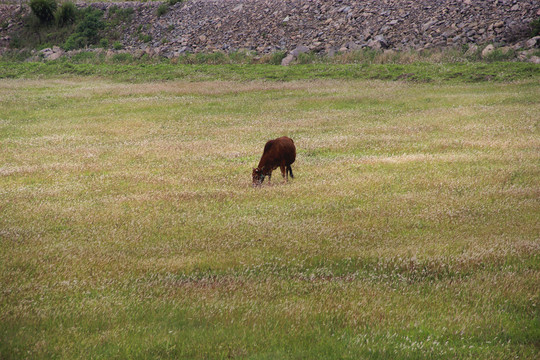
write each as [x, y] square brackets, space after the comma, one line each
[54, 56]
[265, 25]
[299, 50]
[533, 42]
[287, 60]
[534, 59]
[488, 50]
[471, 50]
[379, 42]
[138, 53]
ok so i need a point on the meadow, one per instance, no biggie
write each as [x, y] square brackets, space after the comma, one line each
[129, 227]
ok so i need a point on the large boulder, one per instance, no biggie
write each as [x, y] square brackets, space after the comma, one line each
[287, 60]
[533, 42]
[299, 50]
[534, 59]
[294, 54]
[379, 42]
[488, 50]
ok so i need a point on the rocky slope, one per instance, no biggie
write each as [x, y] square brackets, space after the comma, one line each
[318, 25]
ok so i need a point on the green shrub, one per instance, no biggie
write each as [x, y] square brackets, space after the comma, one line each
[117, 45]
[15, 42]
[87, 31]
[240, 57]
[172, 2]
[276, 57]
[74, 41]
[122, 58]
[306, 58]
[499, 55]
[44, 10]
[162, 9]
[121, 15]
[83, 57]
[104, 43]
[66, 14]
[211, 58]
[535, 27]
[145, 38]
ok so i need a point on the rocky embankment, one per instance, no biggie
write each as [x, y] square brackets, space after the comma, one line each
[327, 26]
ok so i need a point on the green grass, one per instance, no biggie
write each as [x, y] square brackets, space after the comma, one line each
[140, 71]
[129, 227]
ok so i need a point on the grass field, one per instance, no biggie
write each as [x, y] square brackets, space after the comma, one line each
[129, 227]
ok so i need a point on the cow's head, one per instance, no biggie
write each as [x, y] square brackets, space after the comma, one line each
[257, 176]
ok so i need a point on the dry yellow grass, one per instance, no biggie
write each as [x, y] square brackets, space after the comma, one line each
[129, 227]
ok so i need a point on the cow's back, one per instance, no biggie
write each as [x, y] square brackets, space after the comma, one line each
[287, 149]
[277, 151]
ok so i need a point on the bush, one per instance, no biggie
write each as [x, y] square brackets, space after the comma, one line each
[104, 43]
[15, 42]
[306, 58]
[276, 57]
[535, 27]
[215, 58]
[66, 14]
[121, 15]
[172, 2]
[117, 45]
[145, 38]
[162, 9]
[500, 55]
[240, 57]
[83, 57]
[87, 31]
[122, 58]
[44, 10]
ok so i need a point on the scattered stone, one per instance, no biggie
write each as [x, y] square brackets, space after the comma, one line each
[473, 49]
[266, 26]
[54, 56]
[137, 54]
[505, 49]
[533, 42]
[287, 60]
[534, 59]
[488, 50]
[299, 50]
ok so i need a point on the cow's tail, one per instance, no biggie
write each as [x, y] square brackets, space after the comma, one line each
[289, 169]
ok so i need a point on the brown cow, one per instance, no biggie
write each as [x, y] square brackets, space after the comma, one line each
[278, 152]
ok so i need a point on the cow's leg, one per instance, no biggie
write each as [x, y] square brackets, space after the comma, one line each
[284, 172]
[269, 177]
[289, 169]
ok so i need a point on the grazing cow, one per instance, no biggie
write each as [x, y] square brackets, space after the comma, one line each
[278, 152]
